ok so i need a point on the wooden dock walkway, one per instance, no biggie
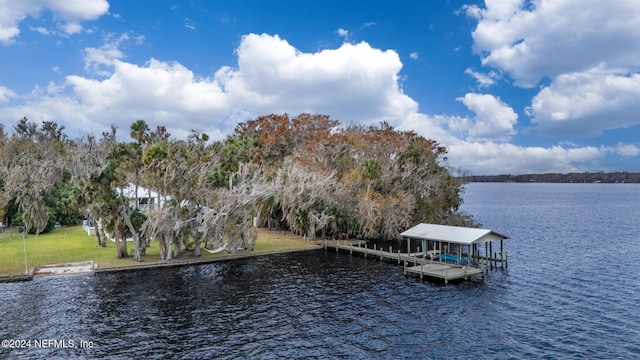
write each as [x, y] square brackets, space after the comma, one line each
[423, 267]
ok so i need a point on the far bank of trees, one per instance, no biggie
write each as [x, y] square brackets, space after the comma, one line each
[306, 174]
[583, 177]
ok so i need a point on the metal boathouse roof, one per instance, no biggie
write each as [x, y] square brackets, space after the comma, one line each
[452, 234]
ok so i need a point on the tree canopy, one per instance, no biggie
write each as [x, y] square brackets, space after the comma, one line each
[307, 173]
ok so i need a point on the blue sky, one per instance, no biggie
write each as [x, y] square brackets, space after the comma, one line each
[508, 86]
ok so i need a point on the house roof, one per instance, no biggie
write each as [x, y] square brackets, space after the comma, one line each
[130, 192]
[452, 234]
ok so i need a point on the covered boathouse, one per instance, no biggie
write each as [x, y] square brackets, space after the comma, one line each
[459, 245]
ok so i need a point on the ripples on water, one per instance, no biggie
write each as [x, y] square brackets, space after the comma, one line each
[571, 291]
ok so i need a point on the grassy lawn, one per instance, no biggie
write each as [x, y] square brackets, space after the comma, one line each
[72, 244]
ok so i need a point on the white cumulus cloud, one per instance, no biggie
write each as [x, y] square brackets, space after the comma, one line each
[343, 32]
[487, 158]
[5, 94]
[494, 119]
[587, 103]
[484, 80]
[586, 52]
[490, 157]
[70, 12]
[549, 38]
[627, 150]
[354, 82]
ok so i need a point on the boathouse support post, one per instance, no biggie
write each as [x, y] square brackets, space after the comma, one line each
[486, 256]
[408, 245]
[405, 269]
[475, 254]
[421, 273]
[408, 252]
[398, 256]
[490, 254]
[501, 255]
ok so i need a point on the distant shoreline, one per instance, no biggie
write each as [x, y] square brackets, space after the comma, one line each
[571, 178]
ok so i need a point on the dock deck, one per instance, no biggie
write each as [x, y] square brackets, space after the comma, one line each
[423, 267]
[443, 271]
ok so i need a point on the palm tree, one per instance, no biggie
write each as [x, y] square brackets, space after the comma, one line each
[370, 170]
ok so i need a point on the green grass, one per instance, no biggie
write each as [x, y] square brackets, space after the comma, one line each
[72, 244]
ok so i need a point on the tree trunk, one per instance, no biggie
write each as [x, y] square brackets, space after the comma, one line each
[121, 245]
[177, 247]
[101, 242]
[163, 247]
[102, 238]
[169, 251]
[135, 188]
[143, 247]
[136, 238]
[99, 232]
[196, 250]
[197, 240]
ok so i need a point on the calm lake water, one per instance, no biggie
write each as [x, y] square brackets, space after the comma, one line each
[572, 290]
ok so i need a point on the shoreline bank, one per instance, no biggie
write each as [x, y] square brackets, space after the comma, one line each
[200, 261]
[180, 262]
[160, 264]
[66, 246]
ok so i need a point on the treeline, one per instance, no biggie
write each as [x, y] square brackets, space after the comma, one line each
[586, 177]
[306, 174]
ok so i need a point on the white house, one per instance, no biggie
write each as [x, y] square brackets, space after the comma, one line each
[147, 199]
